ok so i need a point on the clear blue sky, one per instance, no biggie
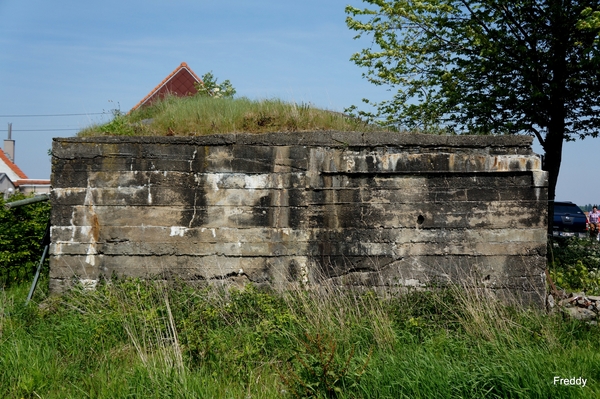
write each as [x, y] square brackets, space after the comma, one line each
[79, 57]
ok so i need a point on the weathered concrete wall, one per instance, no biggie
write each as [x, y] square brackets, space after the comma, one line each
[360, 209]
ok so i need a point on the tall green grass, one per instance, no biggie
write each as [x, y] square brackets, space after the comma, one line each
[197, 115]
[132, 338]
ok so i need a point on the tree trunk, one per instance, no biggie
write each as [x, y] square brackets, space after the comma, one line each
[552, 160]
[553, 157]
[555, 136]
[553, 146]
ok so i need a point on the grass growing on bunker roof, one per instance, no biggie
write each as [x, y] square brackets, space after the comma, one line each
[197, 115]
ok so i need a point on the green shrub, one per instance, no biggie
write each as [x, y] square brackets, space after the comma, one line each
[320, 370]
[574, 265]
[21, 232]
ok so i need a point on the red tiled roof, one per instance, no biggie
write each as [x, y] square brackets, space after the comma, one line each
[12, 166]
[181, 82]
[32, 182]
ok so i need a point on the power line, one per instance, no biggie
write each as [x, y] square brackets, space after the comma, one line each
[42, 130]
[48, 115]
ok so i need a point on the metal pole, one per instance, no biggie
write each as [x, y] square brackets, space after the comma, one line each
[46, 244]
[37, 198]
[37, 275]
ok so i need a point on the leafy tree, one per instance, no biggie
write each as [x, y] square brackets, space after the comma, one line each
[210, 87]
[486, 67]
[21, 232]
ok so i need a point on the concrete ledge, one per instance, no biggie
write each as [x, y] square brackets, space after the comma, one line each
[332, 139]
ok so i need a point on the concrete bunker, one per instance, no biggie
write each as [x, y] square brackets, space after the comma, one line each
[377, 210]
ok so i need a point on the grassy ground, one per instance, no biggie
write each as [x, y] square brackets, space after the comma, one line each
[191, 116]
[139, 339]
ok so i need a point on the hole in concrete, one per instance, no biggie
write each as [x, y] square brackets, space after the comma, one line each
[420, 219]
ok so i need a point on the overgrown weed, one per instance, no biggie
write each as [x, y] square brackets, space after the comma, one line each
[318, 369]
[155, 339]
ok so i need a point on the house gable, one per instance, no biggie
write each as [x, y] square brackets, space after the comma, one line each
[13, 172]
[181, 82]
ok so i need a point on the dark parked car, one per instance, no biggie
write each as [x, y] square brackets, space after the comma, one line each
[569, 220]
